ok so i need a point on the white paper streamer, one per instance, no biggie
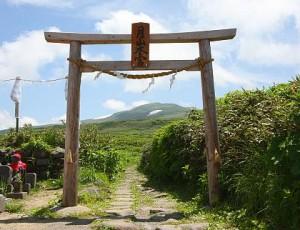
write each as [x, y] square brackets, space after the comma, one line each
[98, 75]
[149, 86]
[119, 75]
[172, 80]
[16, 91]
[66, 89]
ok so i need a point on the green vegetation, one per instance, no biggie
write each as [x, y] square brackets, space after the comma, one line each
[260, 167]
[158, 111]
[260, 143]
[140, 199]
[47, 211]
[14, 206]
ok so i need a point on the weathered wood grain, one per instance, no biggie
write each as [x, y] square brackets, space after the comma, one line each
[72, 130]
[211, 127]
[126, 65]
[185, 37]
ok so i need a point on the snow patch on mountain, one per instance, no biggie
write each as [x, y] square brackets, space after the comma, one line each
[154, 112]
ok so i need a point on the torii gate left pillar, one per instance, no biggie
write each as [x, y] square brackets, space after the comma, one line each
[71, 166]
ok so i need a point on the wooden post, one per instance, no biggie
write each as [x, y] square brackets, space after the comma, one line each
[17, 115]
[72, 129]
[211, 127]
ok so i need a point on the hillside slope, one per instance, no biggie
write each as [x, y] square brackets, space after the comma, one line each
[147, 111]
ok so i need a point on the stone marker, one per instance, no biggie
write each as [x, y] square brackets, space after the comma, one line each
[31, 179]
[27, 187]
[5, 174]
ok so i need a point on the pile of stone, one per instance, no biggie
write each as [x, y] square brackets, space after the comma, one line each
[16, 189]
[46, 165]
[56, 162]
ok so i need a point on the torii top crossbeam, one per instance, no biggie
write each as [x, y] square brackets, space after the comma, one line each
[186, 37]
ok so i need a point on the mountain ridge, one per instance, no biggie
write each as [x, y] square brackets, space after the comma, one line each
[146, 111]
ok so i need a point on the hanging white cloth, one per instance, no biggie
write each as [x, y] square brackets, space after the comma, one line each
[66, 89]
[16, 91]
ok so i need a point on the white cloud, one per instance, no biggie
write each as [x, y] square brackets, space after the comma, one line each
[269, 53]
[120, 22]
[139, 103]
[58, 119]
[258, 23]
[118, 105]
[27, 54]
[8, 121]
[114, 104]
[45, 3]
[28, 120]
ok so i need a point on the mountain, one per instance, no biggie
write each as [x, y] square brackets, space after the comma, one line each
[147, 111]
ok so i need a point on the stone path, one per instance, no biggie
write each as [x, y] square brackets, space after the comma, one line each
[136, 206]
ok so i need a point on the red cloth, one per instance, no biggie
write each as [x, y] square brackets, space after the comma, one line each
[17, 166]
[17, 155]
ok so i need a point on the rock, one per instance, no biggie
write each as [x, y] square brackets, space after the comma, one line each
[3, 201]
[5, 173]
[120, 225]
[18, 186]
[42, 162]
[17, 195]
[27, 187]
[71, 211]
[31, 179]
[125, 213]
[194, 226]
[165, 216]
[58, 153]
[166, 227]
[41, 155]
[158, 210]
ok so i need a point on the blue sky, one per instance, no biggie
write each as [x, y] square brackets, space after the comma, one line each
[265, 51]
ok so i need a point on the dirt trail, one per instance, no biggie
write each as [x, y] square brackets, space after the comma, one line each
[137, 206]
[134, 206]
[13, 221]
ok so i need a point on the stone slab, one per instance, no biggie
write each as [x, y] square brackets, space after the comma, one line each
[120, 225]
[17, 195]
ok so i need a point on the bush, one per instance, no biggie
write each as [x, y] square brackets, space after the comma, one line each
[107, 161]
[35, 146]
[259, 138]
[54, 137]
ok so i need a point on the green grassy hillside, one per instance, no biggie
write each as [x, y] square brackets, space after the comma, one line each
[151, 111]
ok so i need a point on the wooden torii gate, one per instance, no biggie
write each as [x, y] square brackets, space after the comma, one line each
[203, 38]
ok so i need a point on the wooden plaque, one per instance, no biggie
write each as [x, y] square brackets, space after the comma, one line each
[140, 39]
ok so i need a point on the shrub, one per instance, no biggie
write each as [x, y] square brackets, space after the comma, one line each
[259, 138]
[35, 146]
[107, 161]
[53, 136]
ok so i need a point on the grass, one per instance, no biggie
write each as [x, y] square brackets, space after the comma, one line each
[14, 206]
[95, 191]
[140, 199]
[47, 211]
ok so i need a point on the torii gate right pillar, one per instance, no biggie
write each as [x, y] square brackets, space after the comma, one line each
[211, 127]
